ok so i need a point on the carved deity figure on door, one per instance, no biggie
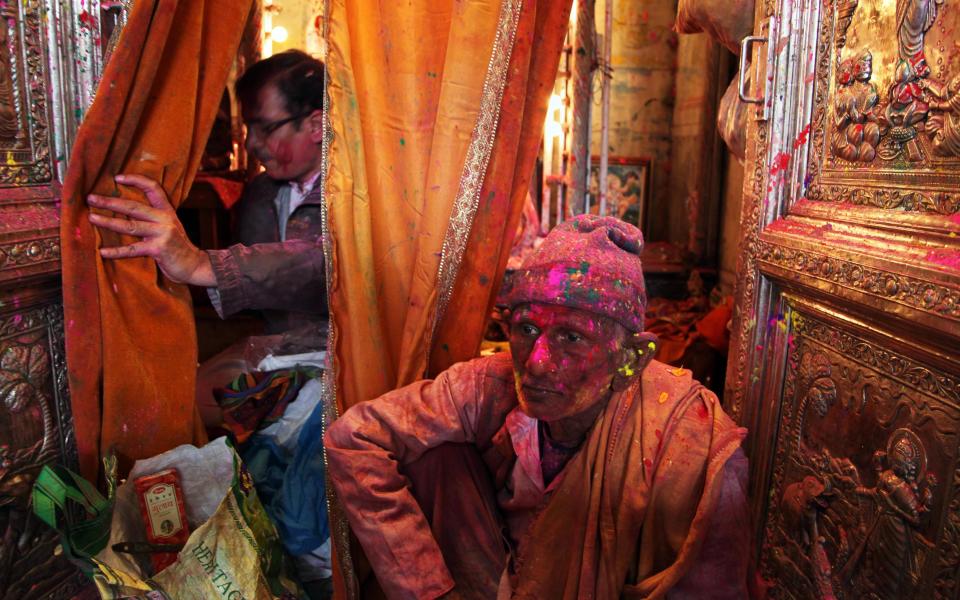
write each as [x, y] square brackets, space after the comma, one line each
[907, 109]
[889, 559]
[918, 115]
[857, 130]
[914, 20]
[943, 124]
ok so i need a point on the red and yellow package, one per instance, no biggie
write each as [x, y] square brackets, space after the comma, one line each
[161, 504]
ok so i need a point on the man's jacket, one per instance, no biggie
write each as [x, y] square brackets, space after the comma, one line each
[653, 502]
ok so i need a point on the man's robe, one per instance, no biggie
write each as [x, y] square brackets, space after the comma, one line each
[628, 515]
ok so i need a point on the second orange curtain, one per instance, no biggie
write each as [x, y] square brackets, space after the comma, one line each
[437, 110]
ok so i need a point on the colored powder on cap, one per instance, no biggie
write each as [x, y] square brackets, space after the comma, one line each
[663, 397]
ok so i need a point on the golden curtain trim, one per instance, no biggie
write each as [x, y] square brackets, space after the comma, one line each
[345, 580]
[478, 158]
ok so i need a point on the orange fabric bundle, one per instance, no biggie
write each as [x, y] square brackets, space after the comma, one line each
[131, 342]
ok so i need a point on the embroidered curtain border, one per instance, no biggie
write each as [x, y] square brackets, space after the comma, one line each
[477, 160]
[339, 527]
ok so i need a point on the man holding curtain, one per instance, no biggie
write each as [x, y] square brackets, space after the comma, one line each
[277, 267]
[573, 466]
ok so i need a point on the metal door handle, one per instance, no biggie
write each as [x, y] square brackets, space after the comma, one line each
[745, 45]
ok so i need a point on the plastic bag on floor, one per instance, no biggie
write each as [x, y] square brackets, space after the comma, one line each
[233, 550]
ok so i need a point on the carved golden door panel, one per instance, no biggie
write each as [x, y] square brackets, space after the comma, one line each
[845, 362]
[49, 61]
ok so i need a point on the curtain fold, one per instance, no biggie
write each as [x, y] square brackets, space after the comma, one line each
[533, 68]
[130, 335]
[437, 108]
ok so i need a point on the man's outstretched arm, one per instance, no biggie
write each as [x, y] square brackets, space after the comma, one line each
[286, 275]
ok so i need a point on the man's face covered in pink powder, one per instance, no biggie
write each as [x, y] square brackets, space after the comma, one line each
[566, 360]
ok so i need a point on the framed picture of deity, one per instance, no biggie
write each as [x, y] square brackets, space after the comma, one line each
[628, 188]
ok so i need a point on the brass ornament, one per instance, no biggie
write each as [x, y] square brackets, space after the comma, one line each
[856, 518]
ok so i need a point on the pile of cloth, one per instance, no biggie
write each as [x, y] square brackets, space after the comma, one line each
[274, 415]
[693, 333]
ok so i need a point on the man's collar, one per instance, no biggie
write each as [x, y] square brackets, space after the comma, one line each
[306, 187]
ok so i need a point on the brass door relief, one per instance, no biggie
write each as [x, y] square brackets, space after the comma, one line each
[24, 94]
[844, 355]
[867, 450]
[888, 102]
[49, 63]
[35, 429]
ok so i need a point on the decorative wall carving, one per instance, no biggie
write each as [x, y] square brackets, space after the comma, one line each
[34, 413]
[943, 123]
[748, 276]
[910, 291]
[868, 436]
[910, 126]
[29, 252]
[943, 202]
[24, 121]
[845, 12]
[10, 129]
[857, 129]
[841, 423]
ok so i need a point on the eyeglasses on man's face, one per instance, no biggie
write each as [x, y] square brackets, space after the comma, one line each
[263, 130]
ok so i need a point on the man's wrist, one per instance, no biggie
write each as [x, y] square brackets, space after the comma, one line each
[202, 275]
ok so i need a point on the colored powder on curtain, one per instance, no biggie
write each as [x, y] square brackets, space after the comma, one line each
[130, 338]
[407, 90]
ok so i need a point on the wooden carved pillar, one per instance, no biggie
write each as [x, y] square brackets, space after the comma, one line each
[50, 59]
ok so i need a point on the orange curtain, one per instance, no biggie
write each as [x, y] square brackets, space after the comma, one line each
[130, 337]
[533, 69]
[437, 108]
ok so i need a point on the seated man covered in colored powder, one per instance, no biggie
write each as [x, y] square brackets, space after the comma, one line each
[574, 466]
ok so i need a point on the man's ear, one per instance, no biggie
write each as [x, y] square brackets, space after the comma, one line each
[638, 351]
[314, 124]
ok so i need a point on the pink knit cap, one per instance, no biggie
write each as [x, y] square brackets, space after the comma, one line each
[590, 263]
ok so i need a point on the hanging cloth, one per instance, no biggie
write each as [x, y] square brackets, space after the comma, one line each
[540, 36]
[437, 110]
[130, 337]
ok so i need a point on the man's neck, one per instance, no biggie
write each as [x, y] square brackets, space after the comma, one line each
[572, 430]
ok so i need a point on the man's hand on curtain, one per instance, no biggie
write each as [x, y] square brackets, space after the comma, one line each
[162, 235]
